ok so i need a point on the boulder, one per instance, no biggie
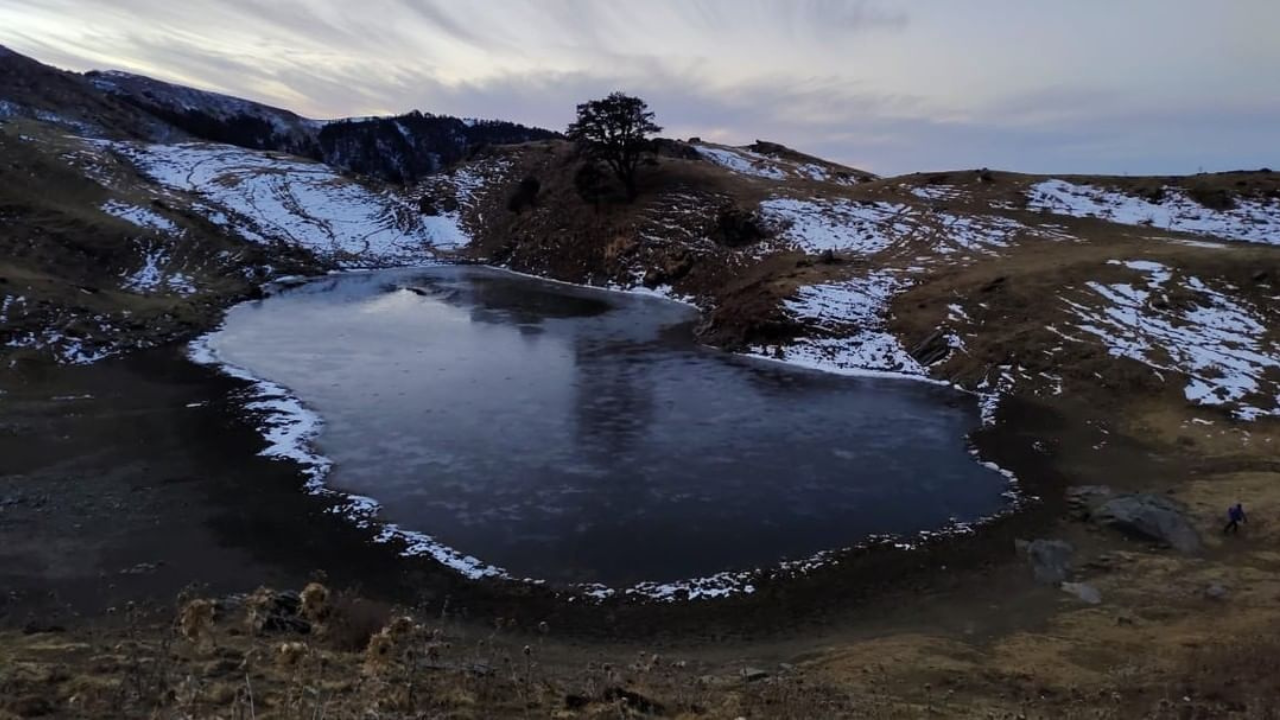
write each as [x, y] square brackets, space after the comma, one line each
[1083, 500]
[1050, 560]
[1085, 592]
[1152, 517]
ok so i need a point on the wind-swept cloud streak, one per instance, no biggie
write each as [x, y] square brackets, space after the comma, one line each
[1146, 86]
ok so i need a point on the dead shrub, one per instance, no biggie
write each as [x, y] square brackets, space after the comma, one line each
[735, 227]
[195, 621]
[392, 643]
[315, 603]
[1212, 198]
[353, 621]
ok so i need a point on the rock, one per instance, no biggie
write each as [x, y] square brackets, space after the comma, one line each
[933, 349]
[1217, 591]
[1083, 500]
[1153, 517]
[1087, 593]
[754, 674]
[1050, 560]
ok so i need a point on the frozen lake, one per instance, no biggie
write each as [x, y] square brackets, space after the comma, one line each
[577, 435]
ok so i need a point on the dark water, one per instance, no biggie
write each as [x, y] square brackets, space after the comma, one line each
[582, 436]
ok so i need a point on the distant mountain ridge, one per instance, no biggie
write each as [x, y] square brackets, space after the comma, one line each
[400, 149]
[120, 105]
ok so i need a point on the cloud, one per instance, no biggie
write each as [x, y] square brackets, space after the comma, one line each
[891, 86]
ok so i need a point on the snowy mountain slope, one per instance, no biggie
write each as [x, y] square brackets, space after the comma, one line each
[281, 200]
[1250, 220]
[771, 161]
[1216, 340]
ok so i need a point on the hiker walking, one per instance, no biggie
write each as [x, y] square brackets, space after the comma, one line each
[1235, 516]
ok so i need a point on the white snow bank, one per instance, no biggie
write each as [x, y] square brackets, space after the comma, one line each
[754, 164]
[743, 162]
[1217, 341]
[816, 225]
[937, 193]
[140, 216]
[838, 225]
[272, 198]
[463, 184]
[1250, 220]
[852, 334]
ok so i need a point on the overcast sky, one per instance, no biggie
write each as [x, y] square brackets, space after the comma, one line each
[1120, 86]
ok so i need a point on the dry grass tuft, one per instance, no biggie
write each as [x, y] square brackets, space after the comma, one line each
[195, 621]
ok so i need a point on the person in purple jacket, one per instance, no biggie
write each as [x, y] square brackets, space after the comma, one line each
[1235, 516]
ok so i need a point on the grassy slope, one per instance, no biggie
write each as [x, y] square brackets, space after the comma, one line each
[69, 259]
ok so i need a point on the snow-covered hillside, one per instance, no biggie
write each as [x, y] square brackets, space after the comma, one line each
[850, 333]
[1249, 220]
[1216, 340]
[777, 166]
[816, 225]
[274, 199]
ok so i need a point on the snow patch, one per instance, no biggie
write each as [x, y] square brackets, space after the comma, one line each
[152, 276]
[742, 161]
[274, 199]
[1217, 341]
[852, 333]
[140, 216]
[1249, 220]
[817, 225]
[937, 193]
[837, 225]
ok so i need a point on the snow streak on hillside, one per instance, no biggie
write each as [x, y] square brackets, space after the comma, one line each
[744, 162]
[272, 199]
[1176, 323]
[816, 225]
[449, 195]
[1249, 220]
[854, 312]
[770, 167]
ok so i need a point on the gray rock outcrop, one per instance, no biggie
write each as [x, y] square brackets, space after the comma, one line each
[1050, 560]
[1152, 517]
